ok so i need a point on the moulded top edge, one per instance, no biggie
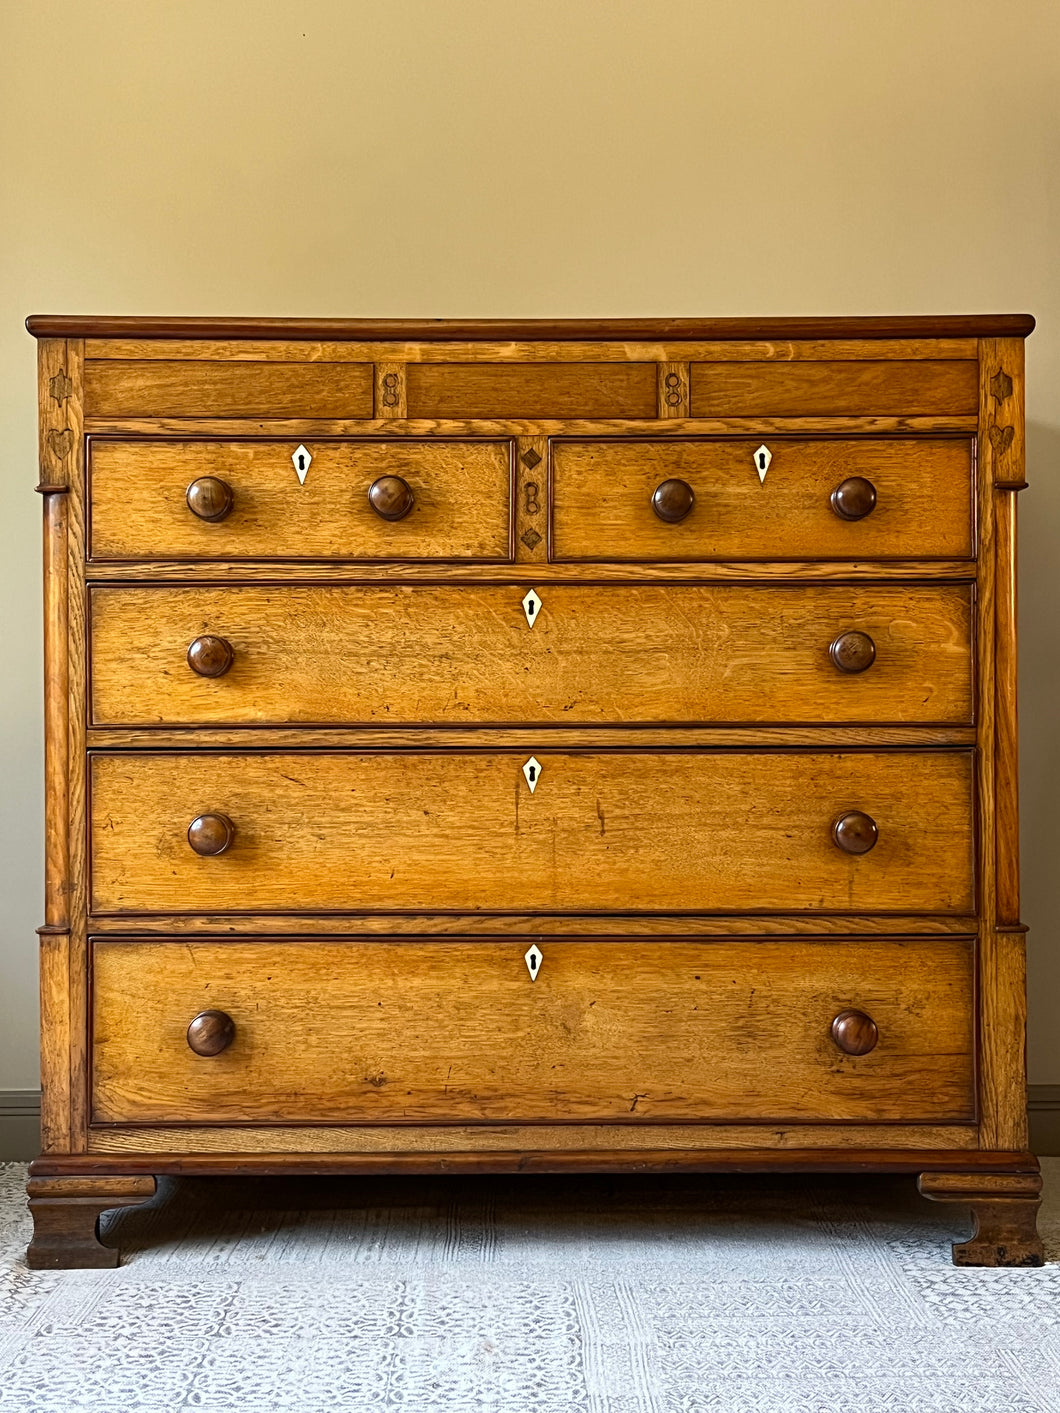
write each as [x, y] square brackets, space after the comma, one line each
[440, 330]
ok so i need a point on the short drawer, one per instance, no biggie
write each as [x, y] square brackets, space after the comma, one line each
[761, 498]
[869, 387]
[595, 654]
[163, 387]
[621, 1030]
[323, 499]
[602, 831]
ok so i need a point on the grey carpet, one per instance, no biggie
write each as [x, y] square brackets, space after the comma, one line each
[531, 1295]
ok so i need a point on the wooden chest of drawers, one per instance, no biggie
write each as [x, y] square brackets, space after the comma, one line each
[527, 747]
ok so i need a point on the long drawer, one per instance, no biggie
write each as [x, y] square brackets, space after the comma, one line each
[622, 1030]
[348, 498]
[741, 498]
[601, 831]
[649, 654]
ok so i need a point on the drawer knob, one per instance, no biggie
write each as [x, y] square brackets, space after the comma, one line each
[210, 656]
[854, 498]
[855, 833]
[211, 834]
[672, 500]
[853, 652]
[209, 498]
[210, 1032]
[391, 497]
[855, 1033]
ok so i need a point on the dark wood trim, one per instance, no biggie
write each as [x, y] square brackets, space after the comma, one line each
[741, 1160]
[553, 330]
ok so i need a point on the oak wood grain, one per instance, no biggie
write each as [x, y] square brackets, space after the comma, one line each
[461, 490]
[430, 832]
[838, 388]
[536, 924]
[602, 492]
[531, 389]
[609, 1030]
[547, 350]
[187, 388]
[579, 1140]
[465, 655]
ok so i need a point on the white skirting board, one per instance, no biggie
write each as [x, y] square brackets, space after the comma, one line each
[20, 1122]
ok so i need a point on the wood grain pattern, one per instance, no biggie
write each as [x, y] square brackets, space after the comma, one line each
[390, 400]
[1001, 411]
[531, 390]
[532, 924]
[1005, 1214]
[66, 1213]
[489, 350]
[802, 389]
[428, 832]
[868, 735]
[56, 1041]
[462, 427]
[926, 326]
[576, 1139]
[785, 571]
[673, 389]
[424, 654]
[844, 1158]
[455, 1033]
[602, 494]
[131, 388]
[462, 500]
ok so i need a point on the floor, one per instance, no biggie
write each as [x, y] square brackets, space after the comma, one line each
[531, 1295]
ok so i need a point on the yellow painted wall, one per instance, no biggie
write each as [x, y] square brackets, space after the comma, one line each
[526, 157]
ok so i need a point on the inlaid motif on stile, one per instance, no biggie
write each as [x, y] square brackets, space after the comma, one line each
[61, 387]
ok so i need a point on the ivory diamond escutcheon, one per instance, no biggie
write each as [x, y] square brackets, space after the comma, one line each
[532, 771]
[763, 456]
[531, 606]
[301, 458]
[533, 960]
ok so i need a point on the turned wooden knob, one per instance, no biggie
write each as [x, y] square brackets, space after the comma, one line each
[854, 498]
[853, 652]
[210, 1032]
[209, 498]
[855, 1033]
[391, 497]
[211, 834]
[672, 500]
[855, 833]
[210, 657]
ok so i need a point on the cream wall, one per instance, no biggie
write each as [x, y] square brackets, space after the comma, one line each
[507, 157]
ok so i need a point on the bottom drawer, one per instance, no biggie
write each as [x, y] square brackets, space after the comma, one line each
[334, 1031]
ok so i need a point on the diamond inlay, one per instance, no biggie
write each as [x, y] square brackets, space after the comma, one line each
[530, 538]
[530, 458]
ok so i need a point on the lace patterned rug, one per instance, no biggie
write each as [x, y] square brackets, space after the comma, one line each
[531, 1295]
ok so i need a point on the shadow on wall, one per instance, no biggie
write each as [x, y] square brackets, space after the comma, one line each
[1039, 610]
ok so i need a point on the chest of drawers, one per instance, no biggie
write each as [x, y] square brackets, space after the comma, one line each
[531, 747]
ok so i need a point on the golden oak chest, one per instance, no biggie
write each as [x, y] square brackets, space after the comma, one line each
[531, 746]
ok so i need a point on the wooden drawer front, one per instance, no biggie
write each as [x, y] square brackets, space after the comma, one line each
[193, 388]
[461, 500]
[604, 831]
[531, 389]
[883, 388]
[602, 499]
[596, 654]
[623, 1030]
